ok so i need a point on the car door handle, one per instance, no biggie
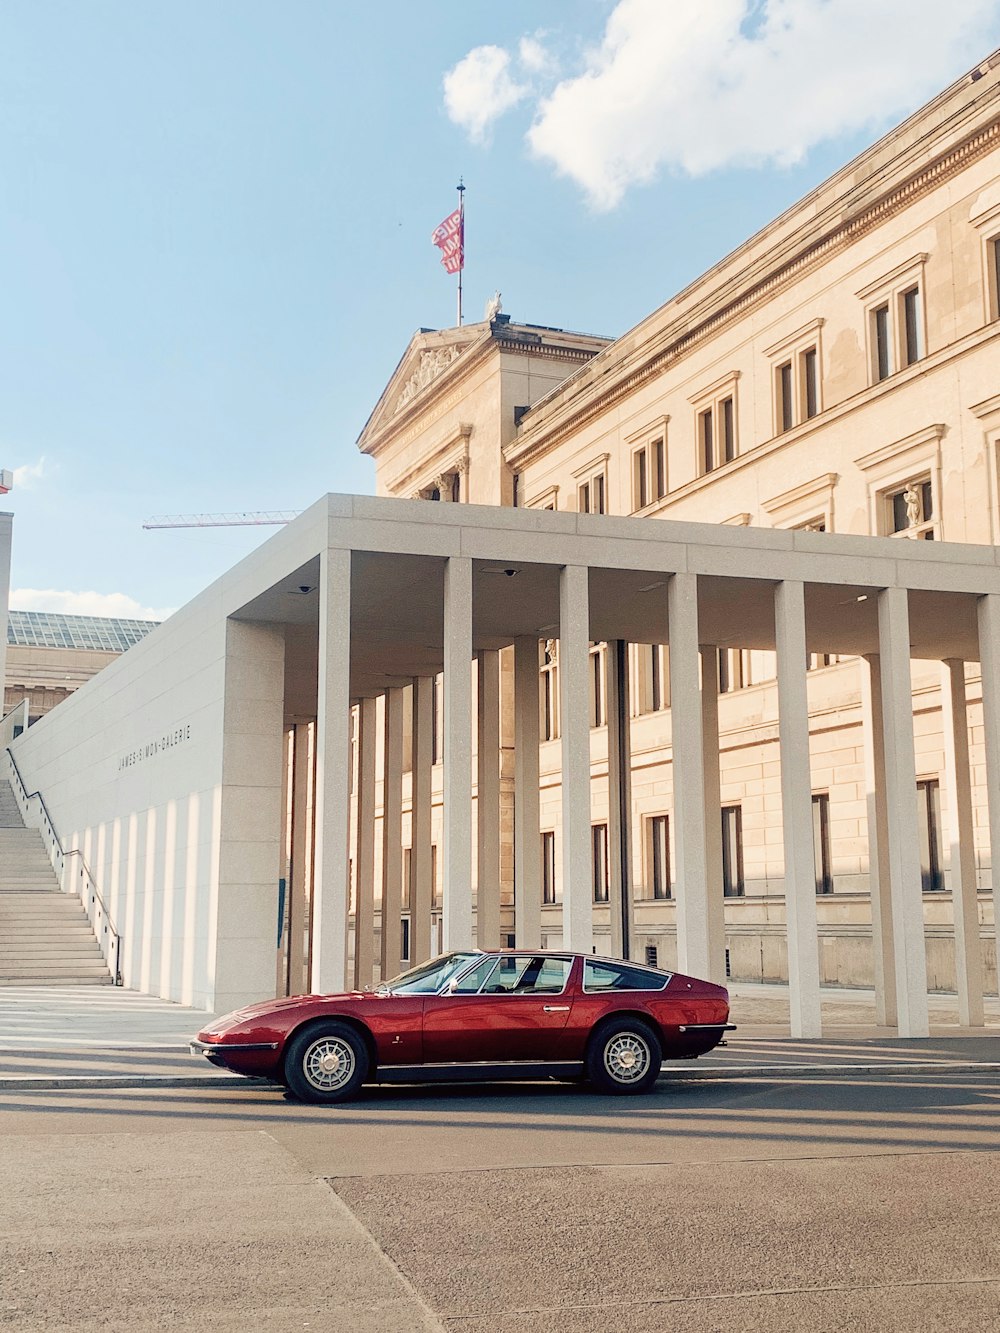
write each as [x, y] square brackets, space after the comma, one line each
[555, 1008]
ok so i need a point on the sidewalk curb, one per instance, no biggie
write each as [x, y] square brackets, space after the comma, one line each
[38, 1083]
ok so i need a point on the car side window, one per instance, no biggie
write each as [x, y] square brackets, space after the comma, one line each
[471, 982]
[602, 976]
[526, 975]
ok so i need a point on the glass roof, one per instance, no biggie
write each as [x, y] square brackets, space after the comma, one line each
[50, 629]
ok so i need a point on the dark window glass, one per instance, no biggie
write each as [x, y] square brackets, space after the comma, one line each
[785, 414]
[660, 834]
[926, 501]
[882, 360]
[732, 852]
[911, 325]
[596, 690]
[996, 278]
[599, 842]
[548, 867]
[404, 939]
[659, 469]
[810, 373]
[600, 975]
[900, 518]
[707, 447]
[656, 694]
[728, 431]
[641, 488]
[585, 498]
[929, 810]
[821, 843]
[598, 494]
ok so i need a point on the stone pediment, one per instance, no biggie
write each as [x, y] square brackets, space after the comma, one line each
[429, 356]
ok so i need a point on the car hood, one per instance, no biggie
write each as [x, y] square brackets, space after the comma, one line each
[264, 1008]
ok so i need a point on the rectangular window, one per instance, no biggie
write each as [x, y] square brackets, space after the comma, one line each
[436, 893]
[437, 721]
[640, 482]
[597, 697]
[995, 275]
[584, 497]
[912, 349]
[929, 822]
[599, 842]
[821, 843]
[657, 693]
[732, 852]
[404, 939]
[707, 441]
[786, 409]
[883, 354]
[597, 494]
[728, 431]
[548, 867]
[549, 700]
[659, 469]
[659, 856]
[810, 376]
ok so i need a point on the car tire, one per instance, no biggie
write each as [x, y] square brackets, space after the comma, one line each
[327, 1062]
[624, 1056]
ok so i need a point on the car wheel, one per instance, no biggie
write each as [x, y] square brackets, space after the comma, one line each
[624, 1055]
[327, 1063]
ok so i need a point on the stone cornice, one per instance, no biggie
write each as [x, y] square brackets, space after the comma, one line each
[798, 256]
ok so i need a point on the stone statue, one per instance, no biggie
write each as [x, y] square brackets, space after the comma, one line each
[493, 307]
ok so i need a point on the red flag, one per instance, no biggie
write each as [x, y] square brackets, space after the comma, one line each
[449, 237]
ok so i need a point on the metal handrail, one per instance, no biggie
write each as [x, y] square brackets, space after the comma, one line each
[115, 944]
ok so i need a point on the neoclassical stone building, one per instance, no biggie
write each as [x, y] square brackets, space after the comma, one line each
[838, 373]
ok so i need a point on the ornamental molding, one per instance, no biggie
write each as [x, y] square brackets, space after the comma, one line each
[810, 256]
[432, 362]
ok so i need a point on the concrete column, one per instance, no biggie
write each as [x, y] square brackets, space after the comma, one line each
[298, 883]
[392, 836]
[989, 656]
[958, 784]
[457, 896]
[574, 709]
[905, 889]
[488, 802]
[694, 952]
[619, 800]
[364, 857]
[421, 886]
[711, 766]
[796, 809]
[331, 859]
[253, 782]
[527, 835]
[883, 938]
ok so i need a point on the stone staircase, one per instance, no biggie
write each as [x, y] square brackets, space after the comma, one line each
[45, 936]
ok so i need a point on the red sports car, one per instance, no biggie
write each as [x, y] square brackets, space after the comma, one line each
[482, 1015]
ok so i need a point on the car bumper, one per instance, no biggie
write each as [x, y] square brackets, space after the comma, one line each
[218, 1053]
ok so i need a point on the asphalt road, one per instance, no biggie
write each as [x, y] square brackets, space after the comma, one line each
[842, 1203]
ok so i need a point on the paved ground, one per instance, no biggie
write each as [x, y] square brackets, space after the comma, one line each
[856, 1197]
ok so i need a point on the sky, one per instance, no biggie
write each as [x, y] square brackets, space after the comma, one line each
[215, 222]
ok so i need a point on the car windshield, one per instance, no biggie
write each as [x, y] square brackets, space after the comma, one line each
[429, 978]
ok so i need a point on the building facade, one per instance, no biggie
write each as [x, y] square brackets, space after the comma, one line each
[684, 646]
[838, 373]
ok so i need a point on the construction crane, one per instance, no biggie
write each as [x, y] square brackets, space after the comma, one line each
[261, 519]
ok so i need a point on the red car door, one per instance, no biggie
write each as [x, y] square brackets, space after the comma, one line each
[518, 1012]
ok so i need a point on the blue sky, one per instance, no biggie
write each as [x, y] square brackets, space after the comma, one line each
[215, 222]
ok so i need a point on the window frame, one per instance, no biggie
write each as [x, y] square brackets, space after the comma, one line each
[931, 835]
[888, 294]
[599, 860]
[548, 846]
[888, 470]
[986, 220]
[822, 858]
[592, 480]
[716, 447]
[789, 391]
[733, 886]
[659, 819]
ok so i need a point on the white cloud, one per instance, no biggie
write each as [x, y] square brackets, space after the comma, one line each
[533, 55]
[479, 89]
[28, 475]
[115, 604]
[693, 86]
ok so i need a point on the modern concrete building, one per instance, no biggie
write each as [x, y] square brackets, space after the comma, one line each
[700, 657]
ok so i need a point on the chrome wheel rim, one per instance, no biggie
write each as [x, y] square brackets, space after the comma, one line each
[329, 1064]
[626, 1057]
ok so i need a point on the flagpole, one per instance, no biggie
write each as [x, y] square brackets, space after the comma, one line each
[461, 241]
